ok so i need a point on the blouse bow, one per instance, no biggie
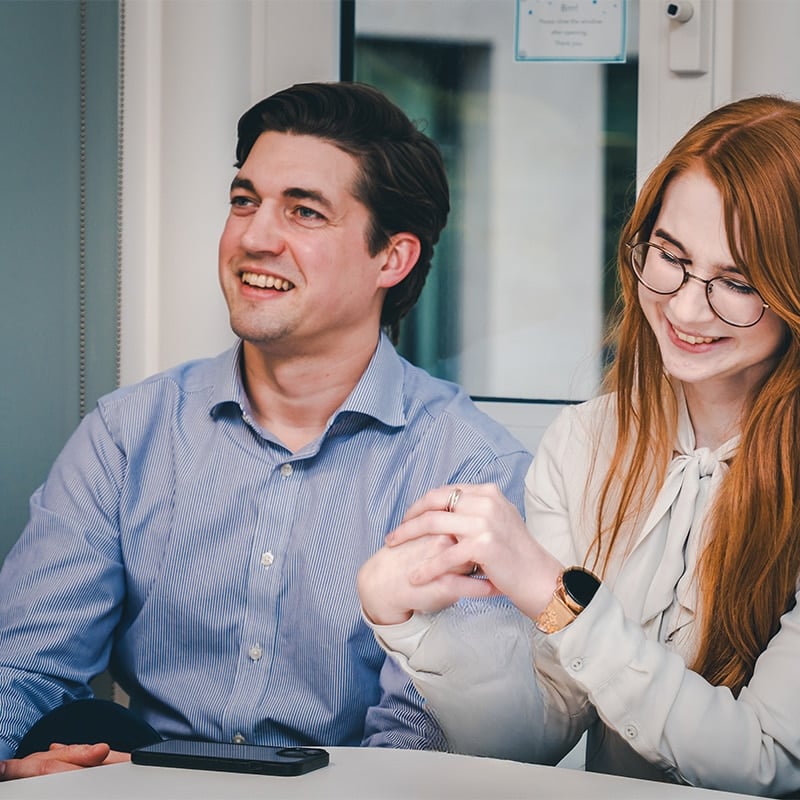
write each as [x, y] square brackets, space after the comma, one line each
[658, 574]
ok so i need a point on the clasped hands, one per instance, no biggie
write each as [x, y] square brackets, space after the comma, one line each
[428, 561]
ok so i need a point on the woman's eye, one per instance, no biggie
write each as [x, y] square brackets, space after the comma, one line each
[670, 259]
[736, 286]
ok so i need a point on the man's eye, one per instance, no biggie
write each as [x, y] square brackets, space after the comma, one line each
[304, 212]
[240, 201]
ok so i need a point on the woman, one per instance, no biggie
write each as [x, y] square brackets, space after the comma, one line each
[679, 488]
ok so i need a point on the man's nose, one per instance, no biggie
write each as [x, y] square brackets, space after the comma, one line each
[264, 233]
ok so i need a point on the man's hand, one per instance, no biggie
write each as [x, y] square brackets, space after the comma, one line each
[60, 758]
[389, 597]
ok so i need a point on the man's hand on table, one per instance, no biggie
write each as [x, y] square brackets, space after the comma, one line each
[60, 758]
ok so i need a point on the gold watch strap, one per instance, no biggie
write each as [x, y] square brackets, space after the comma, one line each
[559, 612]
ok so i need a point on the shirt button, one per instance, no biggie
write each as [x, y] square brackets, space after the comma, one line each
[576, 665]
[286, 470]
[238, 739]
[255, 652]
[630, 731]
[267, 559]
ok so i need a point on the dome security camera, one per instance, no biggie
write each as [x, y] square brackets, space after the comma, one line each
[680, 12]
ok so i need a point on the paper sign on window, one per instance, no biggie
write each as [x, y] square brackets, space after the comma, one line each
[570, 30]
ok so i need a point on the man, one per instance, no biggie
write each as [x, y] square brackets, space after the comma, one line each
[201, 532]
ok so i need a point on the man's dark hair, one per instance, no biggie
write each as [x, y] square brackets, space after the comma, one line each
[401, 178]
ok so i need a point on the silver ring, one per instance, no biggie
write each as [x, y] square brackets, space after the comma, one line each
[455, 496]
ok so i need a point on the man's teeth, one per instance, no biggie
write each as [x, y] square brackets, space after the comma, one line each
[685, 337]
[266, 281]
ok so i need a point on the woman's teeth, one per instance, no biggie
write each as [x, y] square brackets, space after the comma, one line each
[685, 337]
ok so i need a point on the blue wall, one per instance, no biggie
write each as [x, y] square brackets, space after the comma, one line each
[46, 383]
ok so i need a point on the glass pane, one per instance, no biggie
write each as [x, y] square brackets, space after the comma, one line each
[542, 161]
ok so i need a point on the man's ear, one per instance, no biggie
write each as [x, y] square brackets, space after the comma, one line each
[400, 257]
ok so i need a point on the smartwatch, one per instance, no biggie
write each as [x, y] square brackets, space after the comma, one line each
[574, 590]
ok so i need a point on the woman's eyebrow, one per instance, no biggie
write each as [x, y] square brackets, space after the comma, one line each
[662, 234]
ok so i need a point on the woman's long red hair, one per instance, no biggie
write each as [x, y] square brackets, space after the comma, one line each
[749, 568]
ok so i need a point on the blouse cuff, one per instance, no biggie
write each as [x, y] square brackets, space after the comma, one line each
[404, 637]
[609, 656]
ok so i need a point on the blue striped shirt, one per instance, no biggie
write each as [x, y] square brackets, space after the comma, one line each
[214, 571]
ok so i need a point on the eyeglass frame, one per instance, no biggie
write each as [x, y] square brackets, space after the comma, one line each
[686, 276]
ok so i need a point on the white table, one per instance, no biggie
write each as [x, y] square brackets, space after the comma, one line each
[357, 774]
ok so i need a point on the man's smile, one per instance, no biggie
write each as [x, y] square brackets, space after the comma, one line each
[261, 281]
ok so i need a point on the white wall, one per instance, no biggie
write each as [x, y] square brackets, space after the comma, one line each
[765, 44]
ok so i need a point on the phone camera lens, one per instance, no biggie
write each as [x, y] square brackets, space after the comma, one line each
[297, 752]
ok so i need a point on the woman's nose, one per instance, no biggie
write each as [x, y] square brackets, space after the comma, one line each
[690, 302]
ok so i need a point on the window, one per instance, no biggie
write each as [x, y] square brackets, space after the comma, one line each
[541, 159]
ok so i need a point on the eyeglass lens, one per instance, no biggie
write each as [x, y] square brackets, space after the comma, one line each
[662, 272]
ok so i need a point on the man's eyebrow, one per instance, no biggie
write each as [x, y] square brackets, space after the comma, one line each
[243, 183]
[298, 193]
[293, 192]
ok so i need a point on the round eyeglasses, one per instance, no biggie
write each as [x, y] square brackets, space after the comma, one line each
[662, 272]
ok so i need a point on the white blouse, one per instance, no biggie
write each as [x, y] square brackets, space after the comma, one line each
[499, 687]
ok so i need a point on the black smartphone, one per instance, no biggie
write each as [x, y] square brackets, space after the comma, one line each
[227, 757]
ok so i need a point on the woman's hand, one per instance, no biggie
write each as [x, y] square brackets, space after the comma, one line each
[388, 596]
[481, 529]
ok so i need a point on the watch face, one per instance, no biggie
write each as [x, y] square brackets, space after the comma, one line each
[580, 585]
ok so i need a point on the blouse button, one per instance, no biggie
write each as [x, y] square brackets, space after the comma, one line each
[286, 470]
[631, 731]
[238, 739]
[576, 665]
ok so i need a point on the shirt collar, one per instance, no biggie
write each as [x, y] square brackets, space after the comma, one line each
[379, 392]
[227, 384]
